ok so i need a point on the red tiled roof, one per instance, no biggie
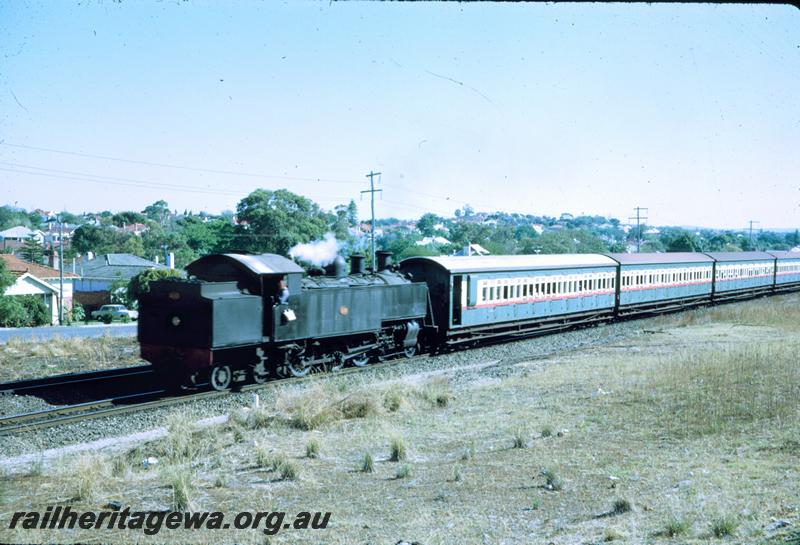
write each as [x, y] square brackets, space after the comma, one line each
[18, 267]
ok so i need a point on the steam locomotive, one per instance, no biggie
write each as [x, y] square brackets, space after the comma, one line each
[252, 317]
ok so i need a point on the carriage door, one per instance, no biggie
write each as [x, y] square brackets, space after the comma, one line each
[456, 298]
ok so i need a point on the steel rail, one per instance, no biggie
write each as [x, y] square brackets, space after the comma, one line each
[43, 383]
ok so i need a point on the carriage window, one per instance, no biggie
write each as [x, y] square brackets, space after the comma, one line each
[483, 294]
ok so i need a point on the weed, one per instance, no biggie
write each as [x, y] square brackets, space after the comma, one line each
[520, 440]
[181, 443]
[552, 480]
[397, 449]
[86, 472]
[469, 452]
[312, 449]
[675, 527]
[437, 392]
[456, 475]
[403, 471]
[621, 506]
[288, 470]
[611, 535]
[180, 480]
[393, 397]
[723, 526]
[546, 431]
[367, 464]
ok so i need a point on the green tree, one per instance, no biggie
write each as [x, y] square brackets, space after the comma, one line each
[682, 241]
[157, 212]
[32, 250]
[121, 219]
[426, 225]
[274, 221]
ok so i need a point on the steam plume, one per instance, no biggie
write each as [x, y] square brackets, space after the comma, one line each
[319, 252]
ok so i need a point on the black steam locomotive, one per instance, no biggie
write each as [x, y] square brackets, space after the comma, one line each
[241, 317]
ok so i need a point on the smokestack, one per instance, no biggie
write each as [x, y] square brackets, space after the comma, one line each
[171, 260]
[357, 264]
[384, 259]
[337, 268]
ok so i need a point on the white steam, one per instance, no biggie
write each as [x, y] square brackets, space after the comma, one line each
[319, 253]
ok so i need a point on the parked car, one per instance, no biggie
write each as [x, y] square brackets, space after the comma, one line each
[106, 313]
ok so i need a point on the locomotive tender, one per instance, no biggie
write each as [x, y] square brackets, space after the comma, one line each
[255, 316]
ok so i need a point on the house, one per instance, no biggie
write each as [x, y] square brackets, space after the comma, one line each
[15, 237]
[473, 249]
[98, 275]
[433, 241]
[35, 279]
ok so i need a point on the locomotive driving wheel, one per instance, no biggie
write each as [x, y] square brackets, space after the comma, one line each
[260, 373]
[361, 360]
[410, 352]
[220, 377]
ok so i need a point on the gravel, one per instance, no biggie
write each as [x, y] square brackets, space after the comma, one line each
[499, 361]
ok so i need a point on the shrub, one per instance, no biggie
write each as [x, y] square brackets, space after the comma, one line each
[519, 438]
[675, 527]
[621, 506]
[552, 480]
[312, 449]
[180, 481]
[437, 392]
[367, 464]
[78, 314]
[289, 470]
[86, 471]
[547, 431]
[469, 452]
[724, 526]
[397, 449]
[403, 471]
[393, 398]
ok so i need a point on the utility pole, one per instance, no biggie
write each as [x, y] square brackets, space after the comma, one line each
[751, 222]
[372, 192]
[638, 217]
[60, 271]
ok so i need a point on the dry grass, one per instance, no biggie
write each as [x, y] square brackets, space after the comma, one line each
[86, 474]
[21, 359]
[613, 407]
[180, 480]
[724, 389]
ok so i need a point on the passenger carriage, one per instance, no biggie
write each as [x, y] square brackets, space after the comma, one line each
[663, 281]
[787, 270]
[478, 297]
[739, 275]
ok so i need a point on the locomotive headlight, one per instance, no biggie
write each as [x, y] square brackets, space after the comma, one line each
[176, 321]
[174, 295]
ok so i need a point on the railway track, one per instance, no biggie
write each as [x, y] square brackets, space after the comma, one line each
[119, 405]
[30, 386]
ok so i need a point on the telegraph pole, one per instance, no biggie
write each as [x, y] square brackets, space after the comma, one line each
[638, 217]
[751, 222]
[372, 192]
[60, 271]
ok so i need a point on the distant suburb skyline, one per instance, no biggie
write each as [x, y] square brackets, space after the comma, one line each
[689, 110]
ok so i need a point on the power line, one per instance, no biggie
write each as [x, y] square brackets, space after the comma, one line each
[638, 219]
[179, 167]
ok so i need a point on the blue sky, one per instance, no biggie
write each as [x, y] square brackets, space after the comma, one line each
[689, 110]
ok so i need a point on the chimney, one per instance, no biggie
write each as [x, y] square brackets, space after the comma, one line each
[171, 260]
[89, 256]
[156, 259]
[337, 268]
[384, 259]
[52, 259]
[357, 265]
